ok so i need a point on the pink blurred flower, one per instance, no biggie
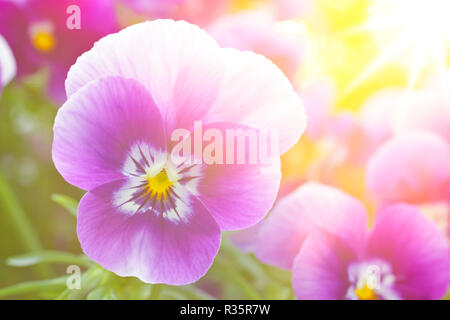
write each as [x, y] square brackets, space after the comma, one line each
[200, 12]
[321, 234]
[37, 32]
[144, 215]
[292, 218]
[255, 31]
[288, 9]
[427, 109]
[414, 166]
[318, 100]
[158, 8]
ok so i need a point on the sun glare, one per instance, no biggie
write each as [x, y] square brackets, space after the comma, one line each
[413, 33]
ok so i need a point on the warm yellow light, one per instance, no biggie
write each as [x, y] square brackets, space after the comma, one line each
[413, 33]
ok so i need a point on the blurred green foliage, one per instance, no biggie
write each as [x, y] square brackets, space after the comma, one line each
[29, 219]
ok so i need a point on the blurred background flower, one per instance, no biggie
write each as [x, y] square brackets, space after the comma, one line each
[38, 33]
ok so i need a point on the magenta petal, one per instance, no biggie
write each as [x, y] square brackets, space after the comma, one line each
[320, 269]
[257, 94]
[96, 128]
[416, 249]
[190, 78]
[148, 244]
[178, 63]
[412, 168]
[295, 215]
[239, 195]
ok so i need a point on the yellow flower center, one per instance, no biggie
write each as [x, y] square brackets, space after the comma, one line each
[43, 41]
[366, 293]
[158, 185]
[42, 36]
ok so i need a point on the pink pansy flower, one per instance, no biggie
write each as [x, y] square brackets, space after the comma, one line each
[355, 136]
[348, 136]
[293, 216]
[427, 109]
[54, 33]
[413, 168]
[365, 131]
[321, 234]
[403, 257]
[377, 114]
[146, 215]
[7, 63]
[255, 31]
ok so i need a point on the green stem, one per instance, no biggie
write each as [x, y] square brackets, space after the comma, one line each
[238, 279]
[156, 291]
[195, 293]
[32, 286]
[243, 259]
[48, 256]
[22, 225]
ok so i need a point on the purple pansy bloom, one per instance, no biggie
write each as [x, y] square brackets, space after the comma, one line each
[332, 254]
[144, 214]
[38, 33]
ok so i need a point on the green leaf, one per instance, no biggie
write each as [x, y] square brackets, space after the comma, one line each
[66, 202]
[38, 257]
[19, 219]
[97, 294]
[33, 286]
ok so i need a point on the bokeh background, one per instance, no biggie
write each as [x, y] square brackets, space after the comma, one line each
[355, 64]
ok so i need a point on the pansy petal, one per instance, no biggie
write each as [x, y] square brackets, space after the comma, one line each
[178, 63]
[416, 249]
[149, 244]
[319, 271]
[411, 168]
[191, 78]
[257, 94]
[246, 239]
[293, 217]
[97, 127]
[241, 186]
